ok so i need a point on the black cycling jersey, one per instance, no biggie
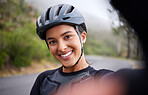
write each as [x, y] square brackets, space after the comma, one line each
[50, 81]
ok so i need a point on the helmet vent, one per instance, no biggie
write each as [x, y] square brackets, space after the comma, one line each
[40, 23]
[58, 11]
[47, 14]
[65, 18]
[70, 9]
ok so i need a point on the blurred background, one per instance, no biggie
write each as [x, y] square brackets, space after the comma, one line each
[111, 42]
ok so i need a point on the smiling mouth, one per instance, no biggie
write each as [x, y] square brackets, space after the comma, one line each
[67, 55]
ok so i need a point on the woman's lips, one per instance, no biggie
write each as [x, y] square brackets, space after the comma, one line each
[66, 55]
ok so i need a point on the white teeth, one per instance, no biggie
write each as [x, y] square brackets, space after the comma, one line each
[67, 54]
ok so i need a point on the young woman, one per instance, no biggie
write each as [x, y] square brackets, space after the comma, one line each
[63, 29]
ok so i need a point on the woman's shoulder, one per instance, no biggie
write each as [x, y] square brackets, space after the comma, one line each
[44, 74]
[102, 72]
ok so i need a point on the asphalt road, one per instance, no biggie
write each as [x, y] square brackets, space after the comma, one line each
[100, 62]
[17, 85]
[21, 84]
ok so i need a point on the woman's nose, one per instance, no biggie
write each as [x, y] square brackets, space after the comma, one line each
[62, 46]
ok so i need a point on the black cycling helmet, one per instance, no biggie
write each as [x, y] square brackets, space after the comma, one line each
[56, 15]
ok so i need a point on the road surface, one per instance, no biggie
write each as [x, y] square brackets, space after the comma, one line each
[100, 62]
[21, 84]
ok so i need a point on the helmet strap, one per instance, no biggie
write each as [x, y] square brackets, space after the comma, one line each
[47, 44]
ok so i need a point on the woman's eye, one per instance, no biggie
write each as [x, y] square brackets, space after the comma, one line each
[68, 36]
[52, 42]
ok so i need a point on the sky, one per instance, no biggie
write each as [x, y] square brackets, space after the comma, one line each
[94, 11]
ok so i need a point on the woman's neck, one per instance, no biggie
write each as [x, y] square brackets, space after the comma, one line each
[82, 64]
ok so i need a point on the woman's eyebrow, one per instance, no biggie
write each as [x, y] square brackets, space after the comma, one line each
[50, 38]
[66, 33]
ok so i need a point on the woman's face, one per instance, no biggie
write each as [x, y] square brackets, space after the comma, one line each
[63, 42]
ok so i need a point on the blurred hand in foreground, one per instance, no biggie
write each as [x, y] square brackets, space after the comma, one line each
[108, 85]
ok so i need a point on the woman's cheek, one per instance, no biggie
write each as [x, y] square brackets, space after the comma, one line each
[76, 42]
[52, 50]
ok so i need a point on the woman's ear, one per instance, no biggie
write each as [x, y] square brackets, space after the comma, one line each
[83, 37]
